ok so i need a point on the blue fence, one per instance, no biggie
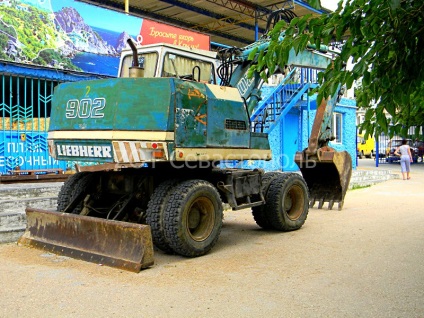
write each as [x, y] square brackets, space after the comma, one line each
[26, 151]
[24, 111]
[25, 105]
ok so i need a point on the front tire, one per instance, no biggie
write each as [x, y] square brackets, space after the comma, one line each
[287, 202]
[80, 184]
[193, 218]
[68, 189]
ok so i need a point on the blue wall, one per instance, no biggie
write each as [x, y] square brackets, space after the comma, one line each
[292, 133]
[347, 107]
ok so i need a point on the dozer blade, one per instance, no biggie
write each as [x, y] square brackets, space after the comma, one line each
[327, 176]
[117, 244]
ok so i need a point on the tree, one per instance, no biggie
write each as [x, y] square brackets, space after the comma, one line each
[385, 40]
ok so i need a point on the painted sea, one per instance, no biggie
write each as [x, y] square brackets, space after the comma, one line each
[100, 64]
[97, 64]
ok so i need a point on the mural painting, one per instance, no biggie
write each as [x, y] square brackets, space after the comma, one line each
[72, 35]
[67, 36]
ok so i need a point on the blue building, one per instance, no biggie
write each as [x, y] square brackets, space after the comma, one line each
[292, 111]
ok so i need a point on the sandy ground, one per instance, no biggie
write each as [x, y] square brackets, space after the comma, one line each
[364, 261]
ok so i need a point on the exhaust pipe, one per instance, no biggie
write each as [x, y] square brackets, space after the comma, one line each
[136, 70]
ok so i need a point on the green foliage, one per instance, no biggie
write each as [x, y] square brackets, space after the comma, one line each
[34, 30]
[384, 39]
[358, 186]
[52, 58]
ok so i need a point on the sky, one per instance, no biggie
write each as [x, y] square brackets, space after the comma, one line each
[330, 4]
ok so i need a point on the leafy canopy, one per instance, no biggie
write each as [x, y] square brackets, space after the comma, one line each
[385, 41]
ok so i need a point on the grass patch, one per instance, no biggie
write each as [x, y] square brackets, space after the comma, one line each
[358, 186]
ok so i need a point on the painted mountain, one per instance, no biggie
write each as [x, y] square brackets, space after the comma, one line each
[31, 33]
[82, 37]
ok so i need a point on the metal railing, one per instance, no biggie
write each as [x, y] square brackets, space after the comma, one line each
[283, 98]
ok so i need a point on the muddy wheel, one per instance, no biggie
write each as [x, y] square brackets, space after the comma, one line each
[258, 212]
[193, 218]
[67, 190]
[287, 202]
[155, 211]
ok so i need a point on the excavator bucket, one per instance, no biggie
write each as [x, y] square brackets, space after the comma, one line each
[327, 175]
[127, 246]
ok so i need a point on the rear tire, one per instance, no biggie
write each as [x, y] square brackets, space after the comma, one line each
[287, 203]
[155, 212]
[67, 190]
[259, 214]
[82, 183]
[193, 218]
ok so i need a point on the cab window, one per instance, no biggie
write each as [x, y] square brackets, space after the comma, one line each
[186, 68]
[146, 60]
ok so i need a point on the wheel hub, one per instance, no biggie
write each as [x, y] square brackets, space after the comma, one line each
[194, 218]
[293, 203]
[201, 219]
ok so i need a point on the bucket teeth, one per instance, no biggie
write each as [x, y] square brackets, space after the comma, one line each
[327, 177]
[321, 203]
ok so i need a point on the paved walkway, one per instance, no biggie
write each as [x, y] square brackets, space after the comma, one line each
[364, 261]
[369, 164]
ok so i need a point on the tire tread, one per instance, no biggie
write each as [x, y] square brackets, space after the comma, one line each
[155, 213]
[276, 216]
[174, 232]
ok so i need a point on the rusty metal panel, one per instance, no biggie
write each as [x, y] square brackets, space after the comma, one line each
[191, 117]
[123, 245]
[228, 121]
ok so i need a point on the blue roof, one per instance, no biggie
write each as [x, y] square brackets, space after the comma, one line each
[16, 69]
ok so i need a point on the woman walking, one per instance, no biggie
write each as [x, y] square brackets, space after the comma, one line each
[404, 151]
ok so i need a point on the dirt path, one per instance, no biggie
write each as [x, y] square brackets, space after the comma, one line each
[364, 261]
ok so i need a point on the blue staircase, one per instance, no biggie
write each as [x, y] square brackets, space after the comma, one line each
[283, 98]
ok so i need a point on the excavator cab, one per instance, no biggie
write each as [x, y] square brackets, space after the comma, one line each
[166, 60]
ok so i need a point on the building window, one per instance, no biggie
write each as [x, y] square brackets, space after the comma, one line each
[337, 127]
[359, 119]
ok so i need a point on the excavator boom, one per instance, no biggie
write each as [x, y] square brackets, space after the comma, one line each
[327, 172]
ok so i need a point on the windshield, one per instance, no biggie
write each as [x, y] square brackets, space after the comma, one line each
[186, 68]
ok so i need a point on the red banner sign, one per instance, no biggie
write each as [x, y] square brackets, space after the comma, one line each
[154, 32]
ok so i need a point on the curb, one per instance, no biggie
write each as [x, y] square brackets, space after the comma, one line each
[15, 198]
[364, 178]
